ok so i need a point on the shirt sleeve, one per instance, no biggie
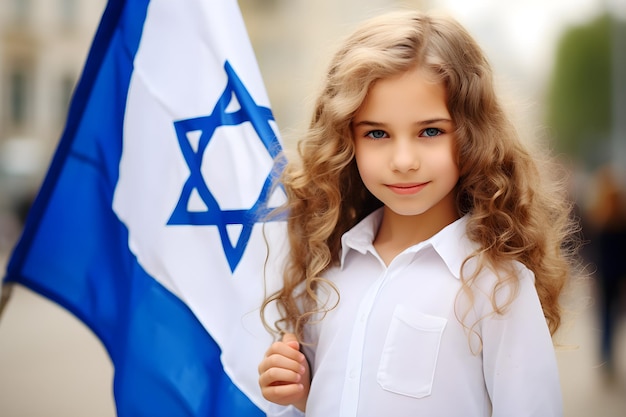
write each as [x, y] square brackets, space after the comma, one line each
[519, 362]
[275, 410]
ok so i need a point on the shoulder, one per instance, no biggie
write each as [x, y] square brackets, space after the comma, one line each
[509, 285]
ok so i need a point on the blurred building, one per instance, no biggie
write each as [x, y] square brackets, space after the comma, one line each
[293, 40]
[43, 45]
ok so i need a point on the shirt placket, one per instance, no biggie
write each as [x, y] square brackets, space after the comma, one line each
[352, 378]
[352, 381]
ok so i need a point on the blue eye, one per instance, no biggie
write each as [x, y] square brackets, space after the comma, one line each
[432, 131]
[376, 134]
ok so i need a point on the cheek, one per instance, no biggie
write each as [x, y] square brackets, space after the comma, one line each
[366, 165]
[448, 159]
[452, 171]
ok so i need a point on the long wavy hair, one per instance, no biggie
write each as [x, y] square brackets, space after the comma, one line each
[516, 211]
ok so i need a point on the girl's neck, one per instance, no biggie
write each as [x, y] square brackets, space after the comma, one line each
[397, 233]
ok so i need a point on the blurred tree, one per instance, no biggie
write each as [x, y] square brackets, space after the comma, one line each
[579, 95]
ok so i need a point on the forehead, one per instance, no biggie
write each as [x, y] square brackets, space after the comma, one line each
[413, 93]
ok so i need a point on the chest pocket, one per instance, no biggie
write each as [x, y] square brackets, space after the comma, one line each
[409, 356]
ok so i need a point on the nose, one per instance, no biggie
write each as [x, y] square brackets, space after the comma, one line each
[404, 156]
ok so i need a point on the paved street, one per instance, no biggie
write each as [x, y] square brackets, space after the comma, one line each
[52, 366]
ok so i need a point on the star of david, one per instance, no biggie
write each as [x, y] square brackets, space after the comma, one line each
[259, 117]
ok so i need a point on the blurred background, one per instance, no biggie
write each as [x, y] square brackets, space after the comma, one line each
[560, 66]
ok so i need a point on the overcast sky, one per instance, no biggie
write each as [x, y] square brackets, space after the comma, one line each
[520, 35]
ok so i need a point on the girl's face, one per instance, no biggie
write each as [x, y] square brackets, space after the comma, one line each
[404, 143]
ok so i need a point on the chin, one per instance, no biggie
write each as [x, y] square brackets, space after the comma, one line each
[407, 212]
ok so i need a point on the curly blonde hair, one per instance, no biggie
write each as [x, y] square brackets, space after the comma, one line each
[515, 212]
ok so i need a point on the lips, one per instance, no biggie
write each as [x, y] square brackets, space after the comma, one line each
[408, 188]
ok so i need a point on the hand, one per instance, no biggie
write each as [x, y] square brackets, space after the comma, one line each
[284, 374]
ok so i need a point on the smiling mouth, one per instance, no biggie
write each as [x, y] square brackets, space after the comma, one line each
[407, 188]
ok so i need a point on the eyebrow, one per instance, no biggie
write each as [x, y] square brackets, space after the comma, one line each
[370, 123]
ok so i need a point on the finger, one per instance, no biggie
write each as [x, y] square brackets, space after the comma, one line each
[282, 348]
[283, 394]
[291, 340]
[281, 361]
[279, 376]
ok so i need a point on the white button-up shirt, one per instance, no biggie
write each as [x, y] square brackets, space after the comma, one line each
[394, 345]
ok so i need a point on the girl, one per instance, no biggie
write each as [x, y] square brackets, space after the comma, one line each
[427, 250]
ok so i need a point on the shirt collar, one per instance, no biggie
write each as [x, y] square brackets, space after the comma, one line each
[450, 243]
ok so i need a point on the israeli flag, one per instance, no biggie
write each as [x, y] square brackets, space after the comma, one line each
[152, 224]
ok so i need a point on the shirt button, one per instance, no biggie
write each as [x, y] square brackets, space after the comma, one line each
[353, 374]
[363, 318]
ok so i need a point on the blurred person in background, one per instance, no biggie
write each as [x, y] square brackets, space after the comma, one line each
[607, 224]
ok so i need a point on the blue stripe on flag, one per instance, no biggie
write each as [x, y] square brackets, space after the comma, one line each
[74, 250]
